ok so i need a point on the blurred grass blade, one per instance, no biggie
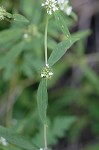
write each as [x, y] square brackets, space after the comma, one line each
[62, 24]
[20, 18]
[16, 139]
[60, 50]
[42, 100]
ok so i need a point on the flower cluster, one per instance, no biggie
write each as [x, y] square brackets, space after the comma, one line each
[46, 72]
[64, 6]
[3, 141]
[2, 13]
[51, 6]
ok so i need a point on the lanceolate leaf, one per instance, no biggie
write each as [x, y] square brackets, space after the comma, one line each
[18, 17]
[62, 24]
[60, 50]
[16, 139]
[42, 100]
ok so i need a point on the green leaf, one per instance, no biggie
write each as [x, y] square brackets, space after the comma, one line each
[56, 129]
[27, 7]
[10, 35]
[27, 69]
[20, 18]
[82, 34]
[8, 71]
[42, 100]
[60, 50]
[60, 126]
[16, 139]
[61, 22]
[10, 147]
[12, 54]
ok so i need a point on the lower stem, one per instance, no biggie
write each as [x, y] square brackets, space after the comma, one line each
[45, 139]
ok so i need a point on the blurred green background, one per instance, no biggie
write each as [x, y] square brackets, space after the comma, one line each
[73, 111]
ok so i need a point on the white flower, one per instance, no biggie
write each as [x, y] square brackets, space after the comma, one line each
[64, 6]
[3, 141]
[2, 13]
[51, 6]
[41, 148]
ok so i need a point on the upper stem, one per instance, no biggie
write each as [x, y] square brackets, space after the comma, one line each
[45, 41]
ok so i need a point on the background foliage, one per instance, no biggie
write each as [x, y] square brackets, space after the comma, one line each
[73, 112]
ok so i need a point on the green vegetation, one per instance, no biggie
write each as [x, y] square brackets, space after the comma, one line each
[65, 104]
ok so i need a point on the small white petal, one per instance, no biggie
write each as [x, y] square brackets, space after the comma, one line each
[69, 10]
[42, 75]
[50, 73]
[49, 12]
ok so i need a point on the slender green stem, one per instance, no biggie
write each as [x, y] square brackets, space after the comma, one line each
[45, 41]
[45, 139]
